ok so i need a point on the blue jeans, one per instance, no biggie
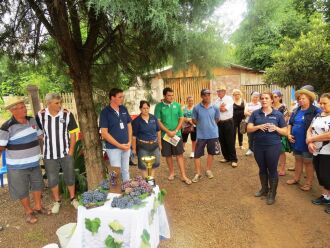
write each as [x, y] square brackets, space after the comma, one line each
[267, 159]
[119, 158]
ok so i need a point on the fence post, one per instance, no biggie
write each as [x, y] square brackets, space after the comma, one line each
[34, 94]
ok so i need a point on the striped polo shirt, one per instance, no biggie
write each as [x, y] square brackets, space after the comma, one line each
[21, 141]
[56, 131]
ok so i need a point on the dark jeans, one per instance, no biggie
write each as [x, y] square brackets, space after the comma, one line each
[267, 159]
[227, 140]
[236, 131]
[321, 164]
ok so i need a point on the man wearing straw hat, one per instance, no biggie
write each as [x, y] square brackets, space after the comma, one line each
[19, 136]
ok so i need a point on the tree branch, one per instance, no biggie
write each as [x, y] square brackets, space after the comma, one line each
[40, 15]
[75, 23]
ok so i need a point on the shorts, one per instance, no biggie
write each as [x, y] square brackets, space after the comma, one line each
[212, 145]
[148, 150]
[193, 136]
[120, 159]
[53, 166]
[304, 155]
[22, 180]
[169, 150]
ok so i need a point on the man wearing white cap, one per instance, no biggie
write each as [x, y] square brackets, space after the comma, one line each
[19, 137]
[226, 126]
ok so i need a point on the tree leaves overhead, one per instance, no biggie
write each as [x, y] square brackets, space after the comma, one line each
[305, 60]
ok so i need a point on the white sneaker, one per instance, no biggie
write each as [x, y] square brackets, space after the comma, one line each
[75, 203]
[209, 174]
[56, 208]
[249, 152]
[192, 155]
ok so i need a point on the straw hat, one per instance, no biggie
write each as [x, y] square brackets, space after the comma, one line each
[221, 87]
[11, 101]
[308, 93]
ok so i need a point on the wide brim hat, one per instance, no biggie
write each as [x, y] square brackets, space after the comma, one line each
[11, 101]
[221, 87]
[307, 93]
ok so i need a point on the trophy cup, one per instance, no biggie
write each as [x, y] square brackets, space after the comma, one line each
[149, 161]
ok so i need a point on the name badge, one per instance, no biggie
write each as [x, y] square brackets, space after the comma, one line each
[121, 125]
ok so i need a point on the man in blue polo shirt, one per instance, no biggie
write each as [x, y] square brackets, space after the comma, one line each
[116, 130]
[205, 117]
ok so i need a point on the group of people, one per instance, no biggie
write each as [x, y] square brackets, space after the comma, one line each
[54, 129]
[271, 130]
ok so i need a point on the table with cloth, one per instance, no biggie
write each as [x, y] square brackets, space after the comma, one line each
[134, 221]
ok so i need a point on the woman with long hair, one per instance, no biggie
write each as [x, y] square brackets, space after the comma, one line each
[188, 127]
[267, 126]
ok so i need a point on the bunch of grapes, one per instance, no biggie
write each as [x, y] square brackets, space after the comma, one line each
[105, 184]
[99, 196]
[138, 185]
[89, 198]
[125, 201]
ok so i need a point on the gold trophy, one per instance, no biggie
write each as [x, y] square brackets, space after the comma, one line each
[149, 162]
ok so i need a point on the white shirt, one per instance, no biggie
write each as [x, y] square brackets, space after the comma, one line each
[321, 125]
[251, 107]
[229, 102]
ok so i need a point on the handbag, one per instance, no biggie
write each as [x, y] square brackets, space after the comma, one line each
[189, 128]
[243, 127]
[286, 147]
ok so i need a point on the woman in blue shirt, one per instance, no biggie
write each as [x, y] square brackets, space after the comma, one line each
[299, 123]
[146, 137]
[267, 126]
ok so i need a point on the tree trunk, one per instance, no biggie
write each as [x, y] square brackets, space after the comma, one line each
[82, 88]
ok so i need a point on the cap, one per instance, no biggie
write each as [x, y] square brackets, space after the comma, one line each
[205, 91]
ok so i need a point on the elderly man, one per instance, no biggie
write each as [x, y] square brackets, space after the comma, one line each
[60, 128]
[19, 137]
[226, 126]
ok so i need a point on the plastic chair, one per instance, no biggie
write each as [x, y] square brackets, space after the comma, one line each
[3, 169]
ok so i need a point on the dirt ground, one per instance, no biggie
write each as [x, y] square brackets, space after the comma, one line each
[221, 212]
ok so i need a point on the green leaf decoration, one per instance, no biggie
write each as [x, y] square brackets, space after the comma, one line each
[142, 205]
[143, 196]
[145, 243]
[161, 196]
[116, 227]
[110, 242]
[92, 225]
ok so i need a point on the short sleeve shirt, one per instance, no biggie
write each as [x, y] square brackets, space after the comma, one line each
[206, 121]
[321, 125]
[265, 138]
[299, 132]
[169, 115]
[145, 130]
[229, 105]
[21, 142]
[116, 123]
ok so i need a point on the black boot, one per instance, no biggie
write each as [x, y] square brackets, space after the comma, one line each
[264, 186]
[272, 193]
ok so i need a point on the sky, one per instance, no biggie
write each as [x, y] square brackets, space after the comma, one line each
[229, 15]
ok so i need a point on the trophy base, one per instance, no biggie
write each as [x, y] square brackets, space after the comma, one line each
[151, 181]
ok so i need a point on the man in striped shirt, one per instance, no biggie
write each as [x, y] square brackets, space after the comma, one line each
[60, 128]
[19, 137]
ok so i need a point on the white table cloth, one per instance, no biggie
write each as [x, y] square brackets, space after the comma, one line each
[133, 220]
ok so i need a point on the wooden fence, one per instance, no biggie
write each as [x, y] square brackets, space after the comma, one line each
[184, 87]
[248, 89]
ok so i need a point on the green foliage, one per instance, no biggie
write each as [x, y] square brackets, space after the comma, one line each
[116, 227]
[145, 237]
[263, 30]
[93, 225]
[110, 242]
[305, 60]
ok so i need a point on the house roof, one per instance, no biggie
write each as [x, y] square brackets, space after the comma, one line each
[169, 67]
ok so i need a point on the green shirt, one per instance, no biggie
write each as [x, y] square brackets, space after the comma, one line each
[169, 115]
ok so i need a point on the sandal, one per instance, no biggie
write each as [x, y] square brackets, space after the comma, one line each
[171, 178]
[187, 181]
[30, 218]
[42, 210]
[292, 181]
[306, 187]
